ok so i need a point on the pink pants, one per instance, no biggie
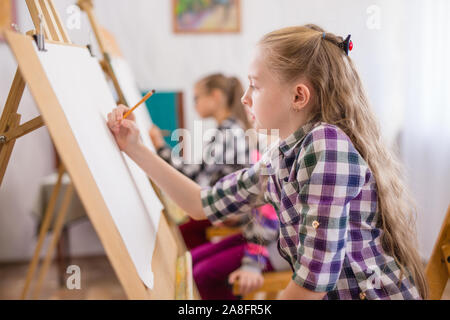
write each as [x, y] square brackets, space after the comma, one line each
[194, 232]
[214, 262]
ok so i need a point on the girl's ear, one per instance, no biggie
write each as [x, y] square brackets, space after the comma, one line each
[302, 96]
[217, 94]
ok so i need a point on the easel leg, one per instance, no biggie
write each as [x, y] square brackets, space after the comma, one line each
[63, 255]
[49, 212]
[10, 119]
[437, 270]
[59, 223]
[7, 148]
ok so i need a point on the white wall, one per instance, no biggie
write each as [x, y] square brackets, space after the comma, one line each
[29, 161]
[168, 61]
[426, 149]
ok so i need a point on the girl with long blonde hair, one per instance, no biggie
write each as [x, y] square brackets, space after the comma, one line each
[346, 224]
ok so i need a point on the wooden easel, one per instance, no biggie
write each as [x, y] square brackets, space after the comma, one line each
[10, 130]
[438, 268]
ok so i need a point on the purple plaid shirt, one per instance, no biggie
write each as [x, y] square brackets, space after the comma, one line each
[325, 196]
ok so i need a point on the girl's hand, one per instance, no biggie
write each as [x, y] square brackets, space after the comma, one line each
[248, 280]
[157, 137]
[125, 131]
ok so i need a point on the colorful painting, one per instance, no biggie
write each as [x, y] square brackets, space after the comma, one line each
[203, 16]
[7, 15]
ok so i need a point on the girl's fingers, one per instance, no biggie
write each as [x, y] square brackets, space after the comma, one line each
[118, 114]
[260, 281]
[124, 109]
[258, 284]
[232, 278]
[243, 285]
[112, 124]
[129, 125]
[109, 122]
[247, 283]
[111, 119]
[251, 285]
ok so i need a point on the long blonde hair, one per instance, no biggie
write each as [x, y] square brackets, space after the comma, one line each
[340, 99]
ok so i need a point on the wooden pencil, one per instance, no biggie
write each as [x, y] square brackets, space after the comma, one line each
[145, 98]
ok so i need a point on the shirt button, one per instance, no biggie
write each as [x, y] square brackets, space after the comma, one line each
[362, 296]
[315, 224]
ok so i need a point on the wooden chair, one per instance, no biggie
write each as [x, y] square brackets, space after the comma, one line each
[274, 282]
[221, 232]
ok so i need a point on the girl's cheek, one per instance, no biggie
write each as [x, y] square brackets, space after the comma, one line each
[259, 116]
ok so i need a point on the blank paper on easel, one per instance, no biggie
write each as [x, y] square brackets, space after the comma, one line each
[84, 95]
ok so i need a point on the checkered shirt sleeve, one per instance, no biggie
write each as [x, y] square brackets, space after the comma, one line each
[238, 192]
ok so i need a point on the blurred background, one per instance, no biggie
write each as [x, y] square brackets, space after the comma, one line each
[401, 49]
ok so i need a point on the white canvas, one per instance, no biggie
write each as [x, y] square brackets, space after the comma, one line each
[85, 98]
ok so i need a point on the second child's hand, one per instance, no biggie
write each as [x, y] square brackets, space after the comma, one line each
[248, 280]
[157, 137]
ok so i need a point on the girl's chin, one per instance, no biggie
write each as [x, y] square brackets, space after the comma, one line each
[259, 128]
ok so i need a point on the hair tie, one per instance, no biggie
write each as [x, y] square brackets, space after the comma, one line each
[346, 45]
[323, 35]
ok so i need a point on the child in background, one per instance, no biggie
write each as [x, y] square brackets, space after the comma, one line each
[219, 97]
[344, 214]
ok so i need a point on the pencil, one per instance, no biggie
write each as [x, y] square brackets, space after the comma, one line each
[148, 95]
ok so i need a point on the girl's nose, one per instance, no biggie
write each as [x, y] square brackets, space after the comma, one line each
[245, 100]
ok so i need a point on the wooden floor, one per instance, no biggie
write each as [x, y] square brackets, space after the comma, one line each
[98, 282]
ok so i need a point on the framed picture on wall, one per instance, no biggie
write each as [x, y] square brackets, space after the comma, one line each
[206, 16]
[7, 15]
